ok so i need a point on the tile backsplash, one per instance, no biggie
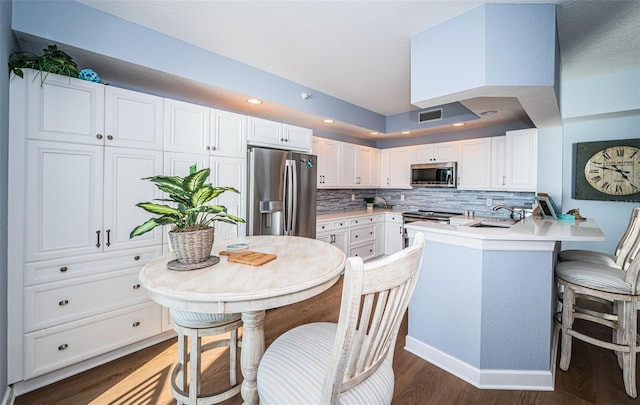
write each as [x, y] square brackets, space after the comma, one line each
[425, 198]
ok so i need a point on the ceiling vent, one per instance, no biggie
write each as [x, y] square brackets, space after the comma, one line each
[430, 115]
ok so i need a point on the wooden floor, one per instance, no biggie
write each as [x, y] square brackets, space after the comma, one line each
[143, 377]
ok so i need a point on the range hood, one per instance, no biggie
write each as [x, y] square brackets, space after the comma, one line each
[495, 50]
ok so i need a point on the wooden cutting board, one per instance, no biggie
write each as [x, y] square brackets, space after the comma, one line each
[249, 257]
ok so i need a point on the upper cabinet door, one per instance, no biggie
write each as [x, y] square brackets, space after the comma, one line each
[522, 160]
[186, 127]
[228, 134]
[64, 109]
[297, 138]
[474, 164]
[63, 213]
[124, 187]
[132, 119]
[230, 172]
[264, 132]
[498, 159]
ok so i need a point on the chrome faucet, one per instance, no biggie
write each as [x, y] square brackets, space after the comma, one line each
[385, 201]
[516, 214]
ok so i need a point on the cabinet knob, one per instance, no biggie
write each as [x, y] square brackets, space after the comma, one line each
[63, 269]
[110, 137]
[136, 286]
[63, 347]
[282, 140]
[356, 236]
[63, 303]
[208, 148]
[136, 257]
[135, 324]
[213, 148]
[99, 136]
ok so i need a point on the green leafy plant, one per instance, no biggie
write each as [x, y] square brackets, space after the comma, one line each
[53, 60]
[369, 200]
[190, 194]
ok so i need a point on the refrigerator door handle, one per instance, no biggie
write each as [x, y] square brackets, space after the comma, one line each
[294, 194]
[288, 197]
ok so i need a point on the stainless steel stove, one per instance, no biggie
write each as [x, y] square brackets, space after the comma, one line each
[441, 217]
[428, 215]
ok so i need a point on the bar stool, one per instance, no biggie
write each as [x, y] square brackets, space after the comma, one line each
[191, 327]
[622, 256]
[621, 290]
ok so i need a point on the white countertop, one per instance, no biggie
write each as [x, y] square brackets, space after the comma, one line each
[530, 229]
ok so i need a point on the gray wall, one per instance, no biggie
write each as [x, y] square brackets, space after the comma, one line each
[6, 46]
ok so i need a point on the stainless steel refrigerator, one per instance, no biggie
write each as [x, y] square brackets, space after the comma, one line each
[282, 193]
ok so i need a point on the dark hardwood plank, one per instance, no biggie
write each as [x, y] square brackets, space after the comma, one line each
[143, 377]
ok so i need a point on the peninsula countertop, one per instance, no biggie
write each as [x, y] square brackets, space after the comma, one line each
[529, 229]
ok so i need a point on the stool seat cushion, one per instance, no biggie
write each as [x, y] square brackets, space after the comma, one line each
[578, 255]
[199, 320]
[302, 355]
[596, 276]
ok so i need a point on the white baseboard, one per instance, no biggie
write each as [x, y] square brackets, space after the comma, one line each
[8, 398]
[530, 380]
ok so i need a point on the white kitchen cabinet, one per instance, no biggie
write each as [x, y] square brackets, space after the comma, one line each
[395, 166]
[60, 108]
[334, 232]
[393, 233]
[498, 163]
[380, 236]
[363, 235]
[521, 163]
[65, 109]
[73, 268]
[474, 164]
[82, 198]
[329, 162]
[261, 132]
[224, 172]
[436, 153]
[132, 119]
[359, 166]
[192, 128]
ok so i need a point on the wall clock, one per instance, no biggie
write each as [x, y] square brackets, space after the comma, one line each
[607, 170]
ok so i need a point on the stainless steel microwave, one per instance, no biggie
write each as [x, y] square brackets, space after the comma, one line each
[434, 175]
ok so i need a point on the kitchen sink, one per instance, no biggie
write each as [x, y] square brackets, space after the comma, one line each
[492, 225]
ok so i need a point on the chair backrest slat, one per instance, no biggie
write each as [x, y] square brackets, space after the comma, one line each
[627, 250]
[375, 297]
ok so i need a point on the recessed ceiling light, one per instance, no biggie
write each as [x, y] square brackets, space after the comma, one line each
[254, 101]
[374, 133]
[328, 121]
[489, 112]
[405, 132]
[458, 124]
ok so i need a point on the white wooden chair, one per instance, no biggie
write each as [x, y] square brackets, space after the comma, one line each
[348, 362]
[620, 259]
[617, 287]
[191, 327]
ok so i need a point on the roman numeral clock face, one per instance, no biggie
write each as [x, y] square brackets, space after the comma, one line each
[614, 171]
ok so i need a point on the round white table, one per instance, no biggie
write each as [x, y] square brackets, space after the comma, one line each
[303, 268]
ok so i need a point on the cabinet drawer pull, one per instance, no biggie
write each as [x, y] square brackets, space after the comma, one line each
[135, 324]
[137, 257]
[98, 238]
[99, 136]
[110, 137]
[63, 269]
[63, 303]
[136, 286]
[108, 237]
[63, 347]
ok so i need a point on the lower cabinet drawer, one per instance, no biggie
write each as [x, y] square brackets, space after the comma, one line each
[364, 252]
[365, 233]
[51, 349]
[56, 303]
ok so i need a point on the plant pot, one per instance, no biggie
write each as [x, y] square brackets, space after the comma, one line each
[192, 247]
[369, 206]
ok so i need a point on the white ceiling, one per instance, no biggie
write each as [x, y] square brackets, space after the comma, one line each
[359, 51]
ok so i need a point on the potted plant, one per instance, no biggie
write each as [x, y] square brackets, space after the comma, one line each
[191, 238]
[369, 201]
[53, 60]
